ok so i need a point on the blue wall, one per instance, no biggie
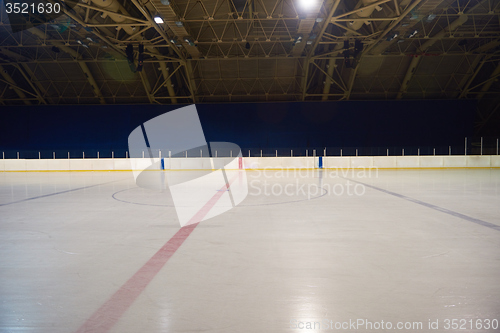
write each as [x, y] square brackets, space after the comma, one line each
[256, 125]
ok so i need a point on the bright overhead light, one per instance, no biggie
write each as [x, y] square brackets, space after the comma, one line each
[158, 19]
[307, 4]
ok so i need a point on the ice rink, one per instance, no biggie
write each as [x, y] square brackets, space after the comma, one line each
[92, 252]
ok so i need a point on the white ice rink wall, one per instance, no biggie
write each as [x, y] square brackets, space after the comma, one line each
[345, 162]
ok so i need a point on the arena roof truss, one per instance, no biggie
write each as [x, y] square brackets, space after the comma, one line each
[254, 50]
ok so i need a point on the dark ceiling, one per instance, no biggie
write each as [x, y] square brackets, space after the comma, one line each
[255, 50]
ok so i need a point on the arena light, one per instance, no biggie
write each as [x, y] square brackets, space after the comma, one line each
[307, 4]
[158, 19]
[189, 40]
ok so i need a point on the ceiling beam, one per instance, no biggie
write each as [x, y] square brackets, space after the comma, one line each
[158, 29]
[30, 82]
[190, 78]
[26, 71]
[487, 84]
[412, 68]
[465, 89]
[392, 25]
[171, 19]
[147, 87]
[375, 4]
[10, 81]
[77, 56]
[182, 58]
[327, 21]
[308, 60]
[350, 83]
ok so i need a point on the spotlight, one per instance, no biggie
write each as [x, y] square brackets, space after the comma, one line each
[431, 17]
[247, 46]
[307, 4]
[411, 35]
[158, 19]
[391, 36]
[55, 49]
[189, 40]
[82, 43]
[165, 2]
[175, 41]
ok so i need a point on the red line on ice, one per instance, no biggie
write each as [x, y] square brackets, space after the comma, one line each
[110, 312]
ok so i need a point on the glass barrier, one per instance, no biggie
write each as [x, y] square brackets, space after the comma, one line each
[471, 146]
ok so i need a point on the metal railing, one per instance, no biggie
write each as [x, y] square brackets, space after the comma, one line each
[471, 146]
